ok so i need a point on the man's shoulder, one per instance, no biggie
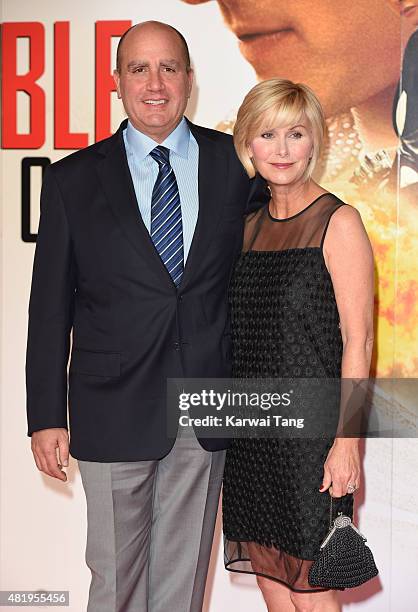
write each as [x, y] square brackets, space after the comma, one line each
[83, 158]
[209, 133]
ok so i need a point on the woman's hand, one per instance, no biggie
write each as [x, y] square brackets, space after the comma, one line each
[342, 467]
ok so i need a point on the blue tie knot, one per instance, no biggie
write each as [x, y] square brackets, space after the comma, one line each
[161, 155]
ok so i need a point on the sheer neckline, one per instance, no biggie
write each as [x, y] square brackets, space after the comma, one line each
[275, 219]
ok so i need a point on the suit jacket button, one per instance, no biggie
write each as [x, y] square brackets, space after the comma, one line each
[176, 346]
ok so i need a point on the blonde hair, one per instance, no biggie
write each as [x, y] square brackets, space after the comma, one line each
[277, 103]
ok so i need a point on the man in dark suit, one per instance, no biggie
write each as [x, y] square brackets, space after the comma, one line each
[405, 107]
[137, 239]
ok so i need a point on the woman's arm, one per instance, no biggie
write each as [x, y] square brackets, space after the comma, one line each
[349, 259]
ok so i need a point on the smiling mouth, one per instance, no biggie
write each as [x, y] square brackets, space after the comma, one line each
[155, 102]
[278, 165]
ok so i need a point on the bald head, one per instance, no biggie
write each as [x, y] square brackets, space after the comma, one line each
[154, 78]
[147, 27]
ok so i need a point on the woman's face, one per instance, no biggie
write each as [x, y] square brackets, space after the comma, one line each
[347, 52]
[281, 154]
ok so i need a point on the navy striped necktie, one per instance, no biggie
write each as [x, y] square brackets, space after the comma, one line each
[166, 223]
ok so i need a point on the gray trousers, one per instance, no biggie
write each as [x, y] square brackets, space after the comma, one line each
[150, 528]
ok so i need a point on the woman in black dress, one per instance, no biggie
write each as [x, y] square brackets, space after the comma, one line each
[302, 307]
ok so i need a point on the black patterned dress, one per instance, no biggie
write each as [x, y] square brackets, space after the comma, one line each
[285, 323]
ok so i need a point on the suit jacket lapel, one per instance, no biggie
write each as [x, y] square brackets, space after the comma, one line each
[116, 180]
[115, 177]
[212, 179]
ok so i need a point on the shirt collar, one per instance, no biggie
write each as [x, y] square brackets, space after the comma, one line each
[141, 145]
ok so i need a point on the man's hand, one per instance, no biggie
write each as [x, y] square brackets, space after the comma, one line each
[45, 443]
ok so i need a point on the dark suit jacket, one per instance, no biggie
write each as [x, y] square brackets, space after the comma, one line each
[97, 273]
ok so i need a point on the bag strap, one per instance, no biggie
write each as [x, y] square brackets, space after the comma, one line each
[331, 511]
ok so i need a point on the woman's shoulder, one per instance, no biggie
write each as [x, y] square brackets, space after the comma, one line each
[333, 203]
[342, 209]
[344, 222]
[339, 219]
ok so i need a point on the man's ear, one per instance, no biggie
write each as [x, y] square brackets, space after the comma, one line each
[116, 78]
[190, 76]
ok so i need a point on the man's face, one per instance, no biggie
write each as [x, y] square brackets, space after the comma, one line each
[153, 81]
[347, 52]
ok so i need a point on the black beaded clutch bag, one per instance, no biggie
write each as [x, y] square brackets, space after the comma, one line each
[344, 559]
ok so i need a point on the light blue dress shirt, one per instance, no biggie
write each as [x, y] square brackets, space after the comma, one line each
[184, 159]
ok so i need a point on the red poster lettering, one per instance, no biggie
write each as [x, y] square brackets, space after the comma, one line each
[63, 138]
[12, 83]
[105, 30]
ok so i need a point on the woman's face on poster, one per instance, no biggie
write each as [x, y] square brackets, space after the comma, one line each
[347, 52]
[409, 10]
